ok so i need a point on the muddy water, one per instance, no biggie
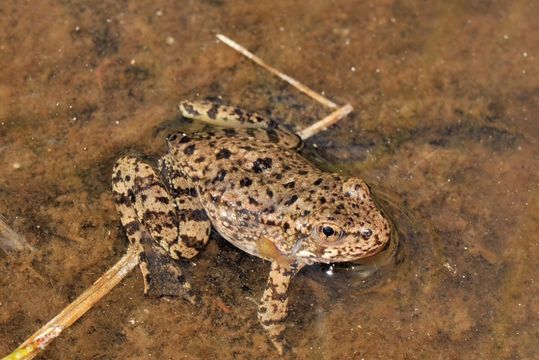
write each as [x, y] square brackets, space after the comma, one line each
[446, 129]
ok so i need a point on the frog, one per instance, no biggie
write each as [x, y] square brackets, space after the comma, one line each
[246, 179]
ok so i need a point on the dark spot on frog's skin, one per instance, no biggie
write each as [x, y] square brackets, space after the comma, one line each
[238, 113]
[270, 222]
[291, 200]
[163, 200]
[272, 135]
[230, 132]
[192, 192]
[149, 214]
[190, 109]
[127, 178]
[127, 199]
[143, 197]
[172, 137]
[272, 124]
[220, 176]
[245, 182]
[270, 210]
[196, 215]
[290, 185]
[303, 172]
[286, 226]
[223, 154]
[262, 164]
[269, 193]
[305, 213]
[340, 207]
[212, 113]
[318, 181]
[132, 227]
[169, 225]
[252, 201]
[322, 200]
[185, 139]
[189, 150]
[200, 159]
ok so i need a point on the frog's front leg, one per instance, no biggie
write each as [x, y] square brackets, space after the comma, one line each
[273, 307]
[149, 212]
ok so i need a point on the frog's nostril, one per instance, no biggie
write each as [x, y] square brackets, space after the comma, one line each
[366, 233]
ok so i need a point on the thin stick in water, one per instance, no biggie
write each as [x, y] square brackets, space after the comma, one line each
[10, 240]
[77, 308]
[325, 122]
[320, 98]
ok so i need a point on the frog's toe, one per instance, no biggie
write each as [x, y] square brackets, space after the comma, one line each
[280, 344]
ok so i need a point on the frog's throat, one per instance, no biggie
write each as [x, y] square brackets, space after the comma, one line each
[296, 247]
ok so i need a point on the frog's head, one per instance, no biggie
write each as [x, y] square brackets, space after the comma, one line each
[349, 228]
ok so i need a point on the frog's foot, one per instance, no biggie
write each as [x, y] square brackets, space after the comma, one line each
[148, 211]
[233, 117]
[162, 275]
[273, 307]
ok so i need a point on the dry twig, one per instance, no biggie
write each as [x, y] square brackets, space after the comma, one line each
[325, 122]
[48, 332]
[321, 99]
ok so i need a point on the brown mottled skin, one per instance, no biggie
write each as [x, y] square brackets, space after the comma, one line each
[249, 183]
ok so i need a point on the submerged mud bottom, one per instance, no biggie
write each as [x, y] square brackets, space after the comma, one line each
[445, 121]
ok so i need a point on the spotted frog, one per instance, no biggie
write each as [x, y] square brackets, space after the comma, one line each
[247, 180]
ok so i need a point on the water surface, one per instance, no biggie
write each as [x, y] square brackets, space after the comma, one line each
[445, 128]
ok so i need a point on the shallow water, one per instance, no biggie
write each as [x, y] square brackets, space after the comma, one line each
[445, 129]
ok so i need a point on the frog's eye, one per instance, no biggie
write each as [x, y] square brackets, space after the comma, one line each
[329, 233]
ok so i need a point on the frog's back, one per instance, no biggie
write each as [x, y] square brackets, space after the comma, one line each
[244, 182]
[204, 156]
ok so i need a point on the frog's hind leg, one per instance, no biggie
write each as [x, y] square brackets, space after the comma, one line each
[234, 117]
[151, 220]
[273, 308]
[194, 226]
